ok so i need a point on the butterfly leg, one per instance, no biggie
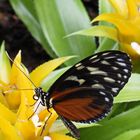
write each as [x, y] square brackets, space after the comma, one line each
[46, 122]
[34, 111]
[71, 127]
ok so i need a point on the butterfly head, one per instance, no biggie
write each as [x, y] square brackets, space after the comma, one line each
[41, 95]
[38, 92]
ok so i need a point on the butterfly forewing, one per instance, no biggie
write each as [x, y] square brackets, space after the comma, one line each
[108, 71]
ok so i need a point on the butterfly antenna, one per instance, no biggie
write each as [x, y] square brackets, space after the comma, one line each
[21, 70]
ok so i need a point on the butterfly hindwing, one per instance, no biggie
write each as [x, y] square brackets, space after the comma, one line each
[83, 105]
[109, 70]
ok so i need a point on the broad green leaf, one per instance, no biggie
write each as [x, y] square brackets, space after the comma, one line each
[128, 135]
[59, 126]
[107, 44]
[131, 92]
[113, 127]
[102, 31]
[60, 18]
[105, 7]
[137, 137]
[26, 11]
[52, 77]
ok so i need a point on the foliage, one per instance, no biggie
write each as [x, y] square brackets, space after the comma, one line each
[62, 28]
[50, 21]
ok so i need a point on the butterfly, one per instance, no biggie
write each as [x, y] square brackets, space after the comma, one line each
[85, 92]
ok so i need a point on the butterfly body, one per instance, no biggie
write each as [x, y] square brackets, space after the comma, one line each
[85, 92]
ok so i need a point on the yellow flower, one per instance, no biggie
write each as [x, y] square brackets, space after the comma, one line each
[126, 19]
[16, 98]
[126, 29]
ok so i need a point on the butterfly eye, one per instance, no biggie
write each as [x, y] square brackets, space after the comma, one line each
[35, 97]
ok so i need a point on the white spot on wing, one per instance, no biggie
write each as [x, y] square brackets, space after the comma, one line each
[109, 57]
[80, 67]
[115, 90]
[125, 77]
[75, 78]
[79, 64]
[119, 81]
[97, 86]
[95, 60]
[106, 99]
[119, 75]
[121, 64]
[102, 93]
[120, 59]
[126, 70]
[108, 79]
[122, 83]
[92, 69]
[98, 72]
[93, 57]
[81, 81]
[114, 68]
[105, 53]
[105, 62]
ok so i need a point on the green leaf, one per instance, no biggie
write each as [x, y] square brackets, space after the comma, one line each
[105, 7]
[128, 135]
[131, 92]
[52, 77]
[26, 11]
[113, 127]
[60, 18]
[107, 44]
[102, 31]
[137, 137]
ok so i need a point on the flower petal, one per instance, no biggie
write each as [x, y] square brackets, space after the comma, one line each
[4, 65]
[25, 126]
[57, 136]
[2, 95]
[43, 70]
[132, 8]
[15, 70]
[8, 130]
[128, 31]
[120, 6]
[45, 114]
[7, 114]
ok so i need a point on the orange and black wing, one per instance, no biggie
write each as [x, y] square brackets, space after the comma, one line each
[83, 105]
[85, 92]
